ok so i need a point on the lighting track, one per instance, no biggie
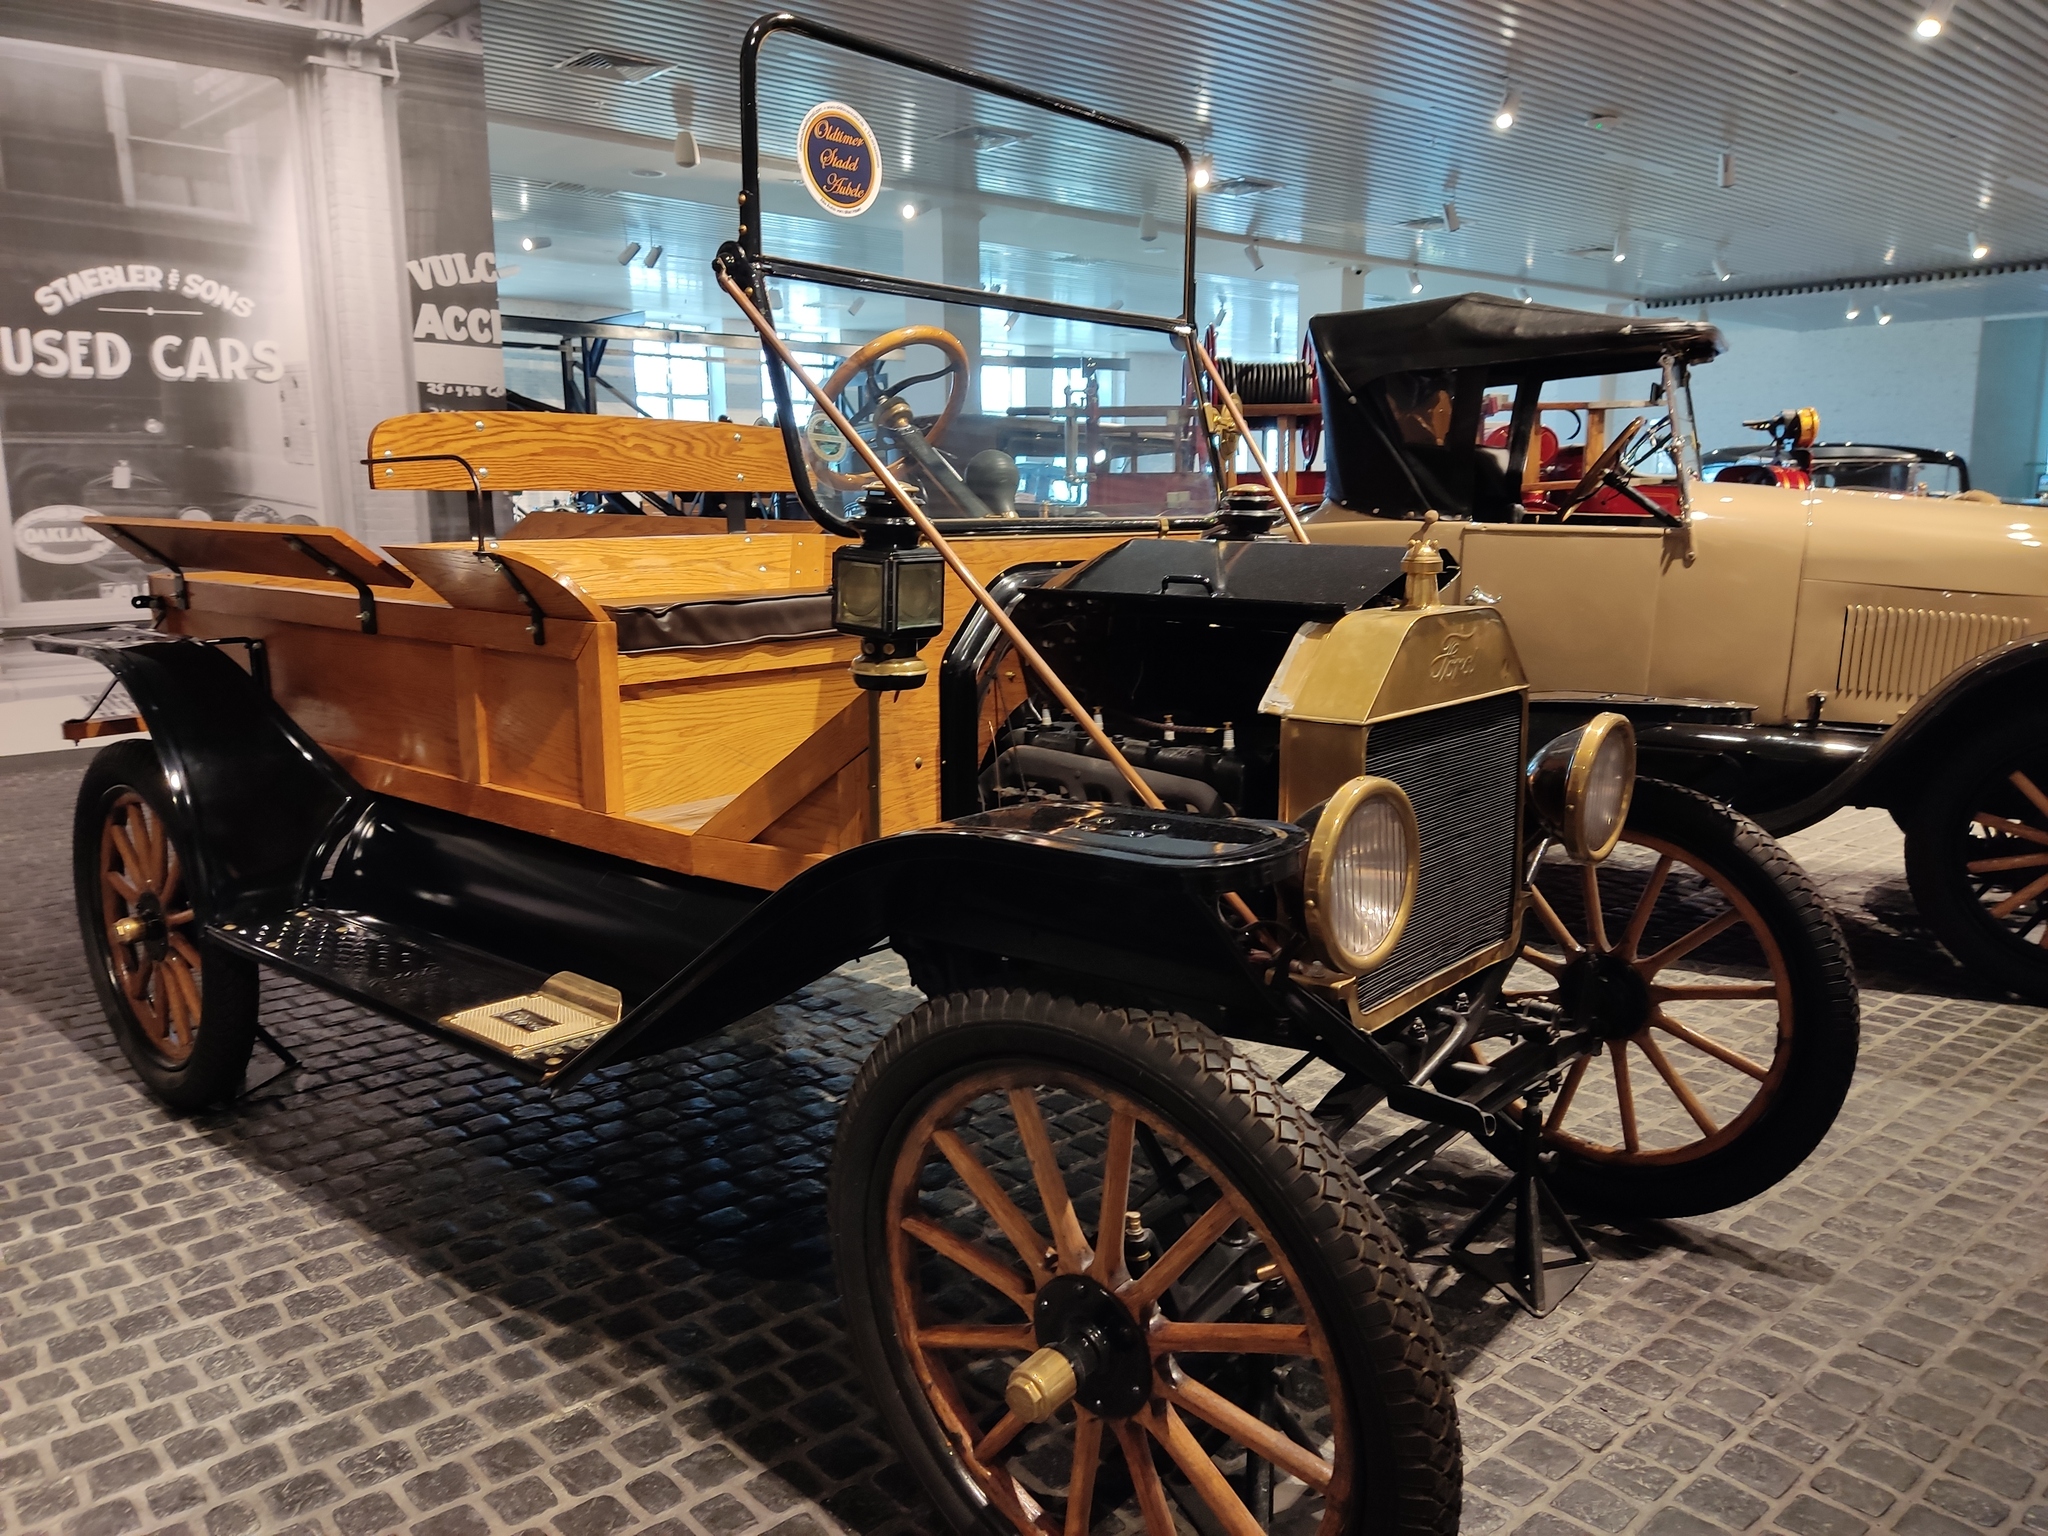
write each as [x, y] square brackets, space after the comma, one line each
[1845, 284]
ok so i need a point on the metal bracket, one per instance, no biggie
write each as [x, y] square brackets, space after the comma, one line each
[537, 621]
[181, 595]
[282, 1052]
[366, 602]
[1519, 1267]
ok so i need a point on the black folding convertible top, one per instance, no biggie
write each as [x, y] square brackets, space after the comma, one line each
[1386, 373]
[1509, 339]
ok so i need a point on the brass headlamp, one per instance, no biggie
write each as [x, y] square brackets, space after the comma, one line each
[891, 591]
[1580, 785]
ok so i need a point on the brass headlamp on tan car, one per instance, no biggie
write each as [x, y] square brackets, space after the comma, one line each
[1579, 786]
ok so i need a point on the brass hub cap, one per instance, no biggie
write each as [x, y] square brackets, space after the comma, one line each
[1008, 1204]
[1665, 961]
[147, 921]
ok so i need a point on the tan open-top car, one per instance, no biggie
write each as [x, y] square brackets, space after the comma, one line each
[1789, 650]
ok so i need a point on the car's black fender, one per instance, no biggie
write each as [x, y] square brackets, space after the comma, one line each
[255, 793]
[1124, 897]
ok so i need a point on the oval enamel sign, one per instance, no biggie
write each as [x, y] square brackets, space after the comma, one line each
[840, 161]
[58, 535]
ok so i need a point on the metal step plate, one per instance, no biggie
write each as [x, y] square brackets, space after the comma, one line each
[547, 1027]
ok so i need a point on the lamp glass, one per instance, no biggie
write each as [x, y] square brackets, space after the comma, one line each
[857, 593]
[920, 594]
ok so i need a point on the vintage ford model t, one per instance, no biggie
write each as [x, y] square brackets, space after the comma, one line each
[572, 797]
[1789, 648]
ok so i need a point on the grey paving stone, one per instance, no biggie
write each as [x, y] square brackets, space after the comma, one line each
[398, 1294]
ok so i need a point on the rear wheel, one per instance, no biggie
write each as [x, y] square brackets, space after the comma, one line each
[183, 1010]
[1017, 1172]
[1720, 988]
[1977, 855]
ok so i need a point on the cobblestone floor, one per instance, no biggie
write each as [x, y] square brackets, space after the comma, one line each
[396, 1292]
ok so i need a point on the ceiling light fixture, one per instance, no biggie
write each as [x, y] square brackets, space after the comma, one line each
[653, 255]
[683, 97]
[1884, 317]
[854, 305]
[1451, 219]
[1414, 280]
[535, 243]
[1525, 296]
[1725, 168]
[1504, 114]
[1010, 321]
[626, 256]
[1721, 270]
[909, 212]
[1852, 312]
[1933, 20]
[1978, 249]
[1148, 227]
[1203, 173]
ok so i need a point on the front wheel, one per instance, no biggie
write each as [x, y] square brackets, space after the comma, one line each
[1977, 855]
[1719, 989]
[1244, 1349]
[182, 1008]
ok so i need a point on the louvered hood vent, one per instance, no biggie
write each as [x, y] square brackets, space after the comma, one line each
[614, 64]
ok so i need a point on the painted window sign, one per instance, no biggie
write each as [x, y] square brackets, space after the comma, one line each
[841, 163]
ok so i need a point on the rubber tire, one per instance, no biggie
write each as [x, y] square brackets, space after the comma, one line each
[1825, 1030]
[1316, 1207]
[228, 998]
[1935, 828]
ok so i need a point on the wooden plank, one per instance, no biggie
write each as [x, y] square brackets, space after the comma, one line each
[257, 548]
[597, 721]
[544, 451]
[618, 571]
[457, 574]
[816, 759]
[735, 660]
[230, 604]
[751, 864]
[472, 733]
[831, 818]
[103, 725]
[621, 525]
[530, 712]
[716, 736]
[379, 694]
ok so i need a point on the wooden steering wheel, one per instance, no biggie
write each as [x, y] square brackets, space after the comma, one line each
[957, 369]
[1598, 471]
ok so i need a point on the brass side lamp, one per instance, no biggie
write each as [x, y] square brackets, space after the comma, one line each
[891, 591]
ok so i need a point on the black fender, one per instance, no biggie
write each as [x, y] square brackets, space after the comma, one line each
[1126, 897]
[1995, 686]
[256, 795]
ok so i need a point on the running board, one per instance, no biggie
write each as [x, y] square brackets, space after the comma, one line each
[524, 1019]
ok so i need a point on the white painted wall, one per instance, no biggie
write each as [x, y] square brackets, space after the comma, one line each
[1912, 382]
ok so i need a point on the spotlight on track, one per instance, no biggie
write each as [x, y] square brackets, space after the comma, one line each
[1251, 245]
[684, 98]
[1724, 168]
[652, 257]
[1934, 18]
[1010, 321]
[854, 308]
[535, 243]
[1978, 249]
[1852, 312]
[1414, 280]
[1148, 226]
[1721, 271]
[1452, 222]
[1504, 114]
[909, 212]
[1203, 173]
[1525, 296]
[632, 249]
[1884, 317]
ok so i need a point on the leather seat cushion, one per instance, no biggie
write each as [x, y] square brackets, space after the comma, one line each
[693, 623]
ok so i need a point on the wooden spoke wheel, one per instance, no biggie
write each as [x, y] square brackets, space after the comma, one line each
[183, 1009]
[145, 914]
[1112, 1279]
[956, 372]
[1718, 990]
[1977, 855]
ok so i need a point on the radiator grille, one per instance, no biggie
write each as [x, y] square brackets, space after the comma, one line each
[1893, 655]
[1462, 766]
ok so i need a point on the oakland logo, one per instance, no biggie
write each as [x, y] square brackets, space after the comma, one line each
[57, 535]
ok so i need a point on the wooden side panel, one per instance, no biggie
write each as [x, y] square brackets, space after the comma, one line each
[455, 573]
[543, 451]
[830, 819]
[530, 717]
[657, 570]
[597, 724]
[379, 694]
[686, 742]
[816, 759]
